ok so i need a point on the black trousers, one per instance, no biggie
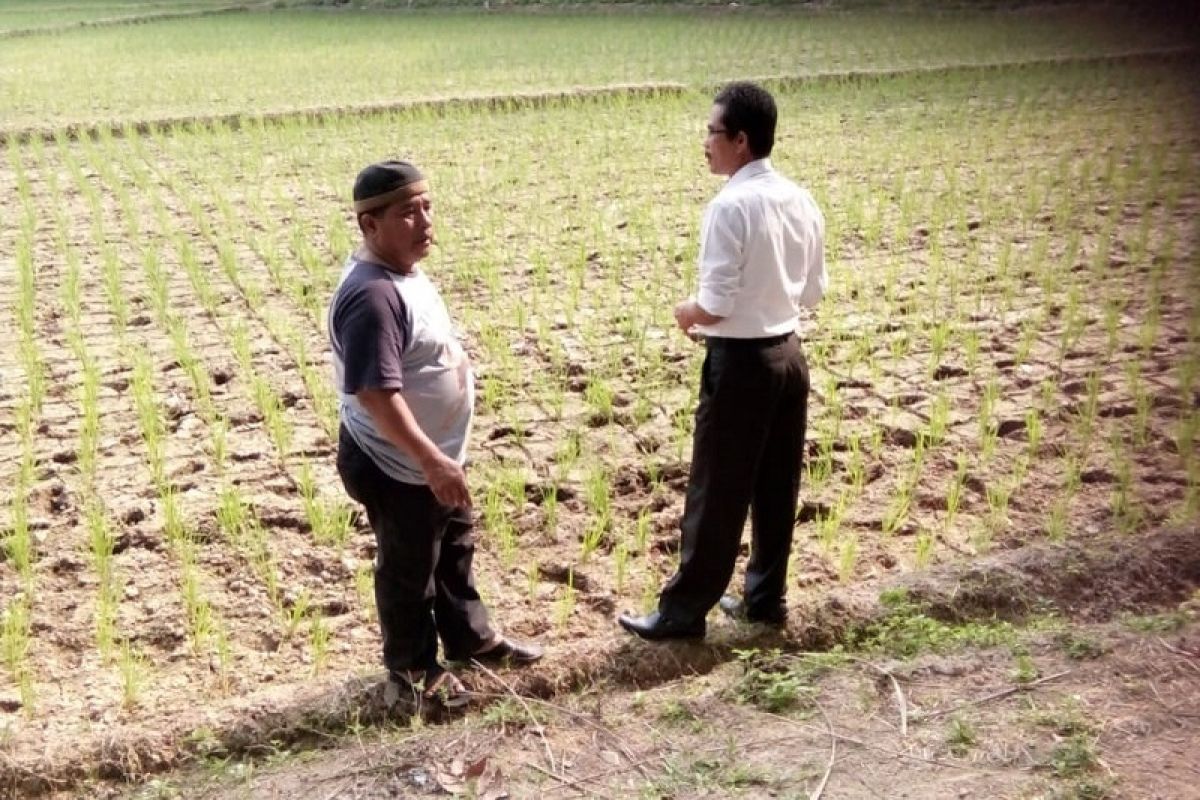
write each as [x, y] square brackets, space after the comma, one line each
[424, 588]
[747, 454]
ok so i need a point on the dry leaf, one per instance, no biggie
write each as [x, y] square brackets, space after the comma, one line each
[450, 784]
[476, 769]
[610, 758]
[489, 785]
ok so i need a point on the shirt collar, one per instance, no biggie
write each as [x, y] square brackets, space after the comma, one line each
[751, 169]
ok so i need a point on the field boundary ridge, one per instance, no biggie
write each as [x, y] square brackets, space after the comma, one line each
[1073, 580]
[549, 98]
[133, 19]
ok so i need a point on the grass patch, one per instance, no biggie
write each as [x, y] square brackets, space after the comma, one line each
[1157, 623]
[1080, 647]
[686, 777]
[961, 737]
[510, 712]
[1065, 720]
[1074, 756]
[906, 631]
[678, 712]
[776, 683]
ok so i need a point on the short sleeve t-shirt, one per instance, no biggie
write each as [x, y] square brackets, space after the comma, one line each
[392, 331]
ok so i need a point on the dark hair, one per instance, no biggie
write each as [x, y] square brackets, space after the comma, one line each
[747, 107]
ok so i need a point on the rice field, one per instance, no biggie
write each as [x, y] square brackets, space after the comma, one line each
[1009, 351]
[32, 17]
[255, 63]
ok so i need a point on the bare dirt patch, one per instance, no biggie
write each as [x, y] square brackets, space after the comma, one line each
[1164, 571]
[1084, 710]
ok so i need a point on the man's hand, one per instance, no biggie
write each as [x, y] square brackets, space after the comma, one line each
[683, 316]
[395, 421]
[689, 314]
[447, 481]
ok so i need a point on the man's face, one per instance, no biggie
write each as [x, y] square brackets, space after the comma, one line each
[725, 154]
[403, 234]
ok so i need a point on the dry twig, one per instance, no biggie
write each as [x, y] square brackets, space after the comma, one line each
[816, 795]
[900, 700]
[608, 773]
[616, 740]
[1188, 658]
[537, 726]
[898, 754]
[572, 783]
[1024, 687]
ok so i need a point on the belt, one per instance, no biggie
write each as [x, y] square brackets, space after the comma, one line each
[765, 341]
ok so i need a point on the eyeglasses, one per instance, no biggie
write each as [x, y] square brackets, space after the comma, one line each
[714, 131]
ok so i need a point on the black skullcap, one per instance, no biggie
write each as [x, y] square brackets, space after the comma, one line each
[386, 182]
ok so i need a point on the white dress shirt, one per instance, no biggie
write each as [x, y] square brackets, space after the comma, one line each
[762, 255]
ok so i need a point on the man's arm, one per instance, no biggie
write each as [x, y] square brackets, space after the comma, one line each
[721, 235]
[394, 419]
[817, 278]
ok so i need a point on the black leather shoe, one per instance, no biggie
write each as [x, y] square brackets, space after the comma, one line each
[735, 608]
[655, 627]
[507, 651]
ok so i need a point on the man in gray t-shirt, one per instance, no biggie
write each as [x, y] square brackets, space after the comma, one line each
[407, 397]
[411, 348]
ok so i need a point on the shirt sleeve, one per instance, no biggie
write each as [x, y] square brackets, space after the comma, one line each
[817, 279]
[722, 237]
[371, 330]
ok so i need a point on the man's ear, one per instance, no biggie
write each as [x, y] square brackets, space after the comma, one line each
[367, 224]
[743, 142]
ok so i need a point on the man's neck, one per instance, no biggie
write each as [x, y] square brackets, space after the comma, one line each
[365, 253]
[742, 169]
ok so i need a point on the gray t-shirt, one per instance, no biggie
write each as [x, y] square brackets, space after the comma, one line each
[392, 331]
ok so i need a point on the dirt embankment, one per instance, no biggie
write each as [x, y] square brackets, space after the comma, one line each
[1090, 579]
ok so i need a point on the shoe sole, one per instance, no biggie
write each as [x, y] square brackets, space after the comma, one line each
[490, 658]
[675, 637]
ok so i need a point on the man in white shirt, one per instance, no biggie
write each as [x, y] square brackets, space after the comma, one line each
[761, 260]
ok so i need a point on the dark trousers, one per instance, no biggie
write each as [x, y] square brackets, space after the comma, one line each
[423, 582]
[747, 453]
